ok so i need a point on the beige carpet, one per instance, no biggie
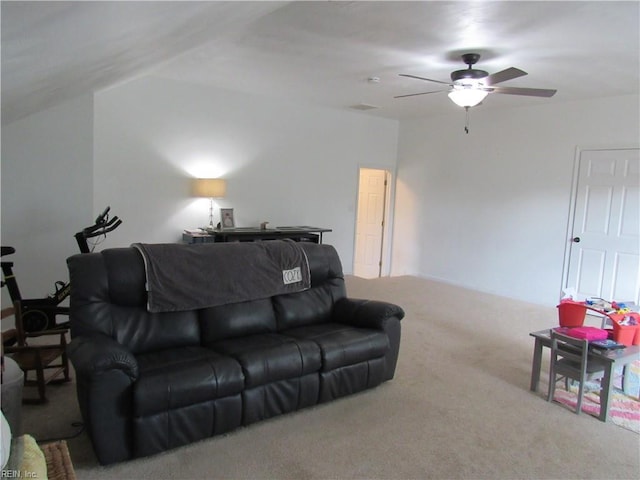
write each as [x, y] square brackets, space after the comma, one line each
[458, 408]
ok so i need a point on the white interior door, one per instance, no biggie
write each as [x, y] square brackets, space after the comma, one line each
[604, 258]
[372, 190]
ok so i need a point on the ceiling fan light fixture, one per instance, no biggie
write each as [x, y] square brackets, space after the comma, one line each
[467, 97]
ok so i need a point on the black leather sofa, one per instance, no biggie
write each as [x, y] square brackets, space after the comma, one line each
[148, 382]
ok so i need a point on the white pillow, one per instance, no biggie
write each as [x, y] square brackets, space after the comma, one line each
[5, 445]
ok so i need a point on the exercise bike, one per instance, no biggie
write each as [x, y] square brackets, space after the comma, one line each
[40, 313]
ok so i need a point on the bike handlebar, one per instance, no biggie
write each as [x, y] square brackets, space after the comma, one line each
[102, 218]
[102, 226]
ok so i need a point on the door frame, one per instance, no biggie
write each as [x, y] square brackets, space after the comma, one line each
[572, 206]
[389, 202]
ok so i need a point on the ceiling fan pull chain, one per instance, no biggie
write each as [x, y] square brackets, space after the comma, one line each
[466, 123]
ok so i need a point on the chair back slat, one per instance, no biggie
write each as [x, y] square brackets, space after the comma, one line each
[570, 348]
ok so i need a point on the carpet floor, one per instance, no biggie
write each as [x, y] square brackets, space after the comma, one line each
[459, 407]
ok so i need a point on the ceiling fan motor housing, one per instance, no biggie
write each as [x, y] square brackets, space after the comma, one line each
[470, 73]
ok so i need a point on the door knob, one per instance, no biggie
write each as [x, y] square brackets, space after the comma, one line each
[575, 239]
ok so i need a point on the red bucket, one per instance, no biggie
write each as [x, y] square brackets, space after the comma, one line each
[571, 314]
[625, 334]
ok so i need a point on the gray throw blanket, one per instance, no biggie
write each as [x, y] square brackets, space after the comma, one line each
[187, 277]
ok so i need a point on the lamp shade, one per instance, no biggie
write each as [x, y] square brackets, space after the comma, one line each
[209, 187]
[467, 97]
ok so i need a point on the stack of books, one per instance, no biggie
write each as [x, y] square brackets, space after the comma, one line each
[602, 346]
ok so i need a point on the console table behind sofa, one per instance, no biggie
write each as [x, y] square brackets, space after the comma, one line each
[299, 234]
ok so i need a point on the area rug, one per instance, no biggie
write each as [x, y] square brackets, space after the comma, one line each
[624, 406]
[59, 466]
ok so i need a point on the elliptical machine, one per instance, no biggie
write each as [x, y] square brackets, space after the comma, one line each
[40, 313]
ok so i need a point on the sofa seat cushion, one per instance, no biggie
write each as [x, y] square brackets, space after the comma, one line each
[270, 357]
[179, 377]
[342, 345]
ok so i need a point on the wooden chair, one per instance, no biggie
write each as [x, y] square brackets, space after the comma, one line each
[37, 357]
[569, 360]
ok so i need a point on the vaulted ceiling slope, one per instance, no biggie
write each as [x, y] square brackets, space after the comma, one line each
[323, 53]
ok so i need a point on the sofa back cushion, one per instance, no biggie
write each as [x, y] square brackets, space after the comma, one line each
[315, 304]
[236, 320]
[108, 297]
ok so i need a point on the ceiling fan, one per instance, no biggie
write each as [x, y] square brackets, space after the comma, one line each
[470, 86]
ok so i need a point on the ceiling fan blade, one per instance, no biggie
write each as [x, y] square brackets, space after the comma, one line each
[423, 78]
[530, 92]
[422, 93]
[504, 75]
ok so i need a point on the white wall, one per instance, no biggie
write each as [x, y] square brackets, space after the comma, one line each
[46, 192]
[285, 163]
[489, 210]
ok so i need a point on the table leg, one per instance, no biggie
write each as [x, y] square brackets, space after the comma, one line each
[536, 365]
[605, 393]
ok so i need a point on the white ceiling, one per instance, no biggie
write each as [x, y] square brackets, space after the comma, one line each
[318, 52]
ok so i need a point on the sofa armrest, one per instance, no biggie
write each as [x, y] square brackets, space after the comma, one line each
[99, 354]
[365, 313]
[375, 315]
[105, 374]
